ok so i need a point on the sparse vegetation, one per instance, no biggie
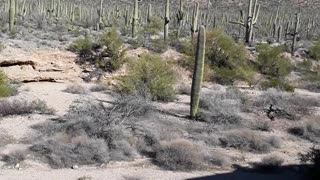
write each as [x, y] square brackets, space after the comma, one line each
[250, 141]
[313, 157]
[308, 130]
[149, 75]
[99, 88]
[270, 163]
[14, 158]
[75, 89]
[22, 107]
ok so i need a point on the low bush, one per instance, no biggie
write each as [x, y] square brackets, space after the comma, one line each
[154, 26]
[250, 141]
[99, 88]
[222, 108]
[308, 130]
[315, 50]
[5, 138]
[181, 155]
[278, 84]
[83, 47]
[270, 163]
[92, 132]
[149, 75]
[75, 89]
[22, 107]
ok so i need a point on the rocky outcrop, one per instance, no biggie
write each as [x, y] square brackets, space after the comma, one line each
[39, 65]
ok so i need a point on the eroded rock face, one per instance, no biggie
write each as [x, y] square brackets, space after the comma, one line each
[39, 65]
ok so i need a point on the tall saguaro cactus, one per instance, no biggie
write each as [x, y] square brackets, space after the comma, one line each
[198, 73]
[100, 13]
[12, 14]
[251, 20]
[295, 33]
[135, 18]
[166, 20]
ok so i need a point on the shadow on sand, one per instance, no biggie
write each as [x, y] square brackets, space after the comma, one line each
[292, 172]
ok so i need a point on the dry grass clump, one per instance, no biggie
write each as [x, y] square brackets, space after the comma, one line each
[92, 132]
[22, 107]
[250, 141]
[76, 89]
[309, 130]
[5, 138]
[181, 155]
[288, 105]
[14, 158]
[222, 108]
[99, 88]
[270, 163]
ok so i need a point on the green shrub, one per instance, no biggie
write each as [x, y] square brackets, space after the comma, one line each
[5, 89]
[113, 48]
[83, 47]
[315, 51]
[271, 63]
[278, 84]
[154, 26]
[228, 59]
[152, 76]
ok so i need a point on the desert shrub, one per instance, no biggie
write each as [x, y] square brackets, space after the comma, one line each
[184, 89]
[2, 46]
[154, 26]
[262, 126]
[76, 151]
[151, 75]
[270, 163]
[180, 155]
[228, 59]
[5, 88]
[99, 88]
[308, 130]
[271, 63]
[288, 105]
[315, 51]
[313, 157]
[83, 47]
[305, 65]
[157, 46]
[105, 132]
[222, 108]
[75, 89]
[14, 158]
[250, 141]
[22, 107]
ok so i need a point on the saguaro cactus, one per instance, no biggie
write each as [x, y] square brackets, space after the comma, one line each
[12, 14]
[198, 73]
[295, 33]
[135, 18]
[149, 13]
[100, 13]
[195, 17]
[251, 20]
[166, 20]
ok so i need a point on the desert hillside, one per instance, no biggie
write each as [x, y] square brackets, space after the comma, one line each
[170, 89]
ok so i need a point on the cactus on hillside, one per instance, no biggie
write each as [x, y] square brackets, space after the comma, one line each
[195, 18]
[149, 15]
[135, 18]
[180, 17]
[295, 33]
[12, 14]
[198, 73]
[166, 20]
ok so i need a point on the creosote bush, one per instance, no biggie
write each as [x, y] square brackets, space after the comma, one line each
[83, 47]
[149, 75]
